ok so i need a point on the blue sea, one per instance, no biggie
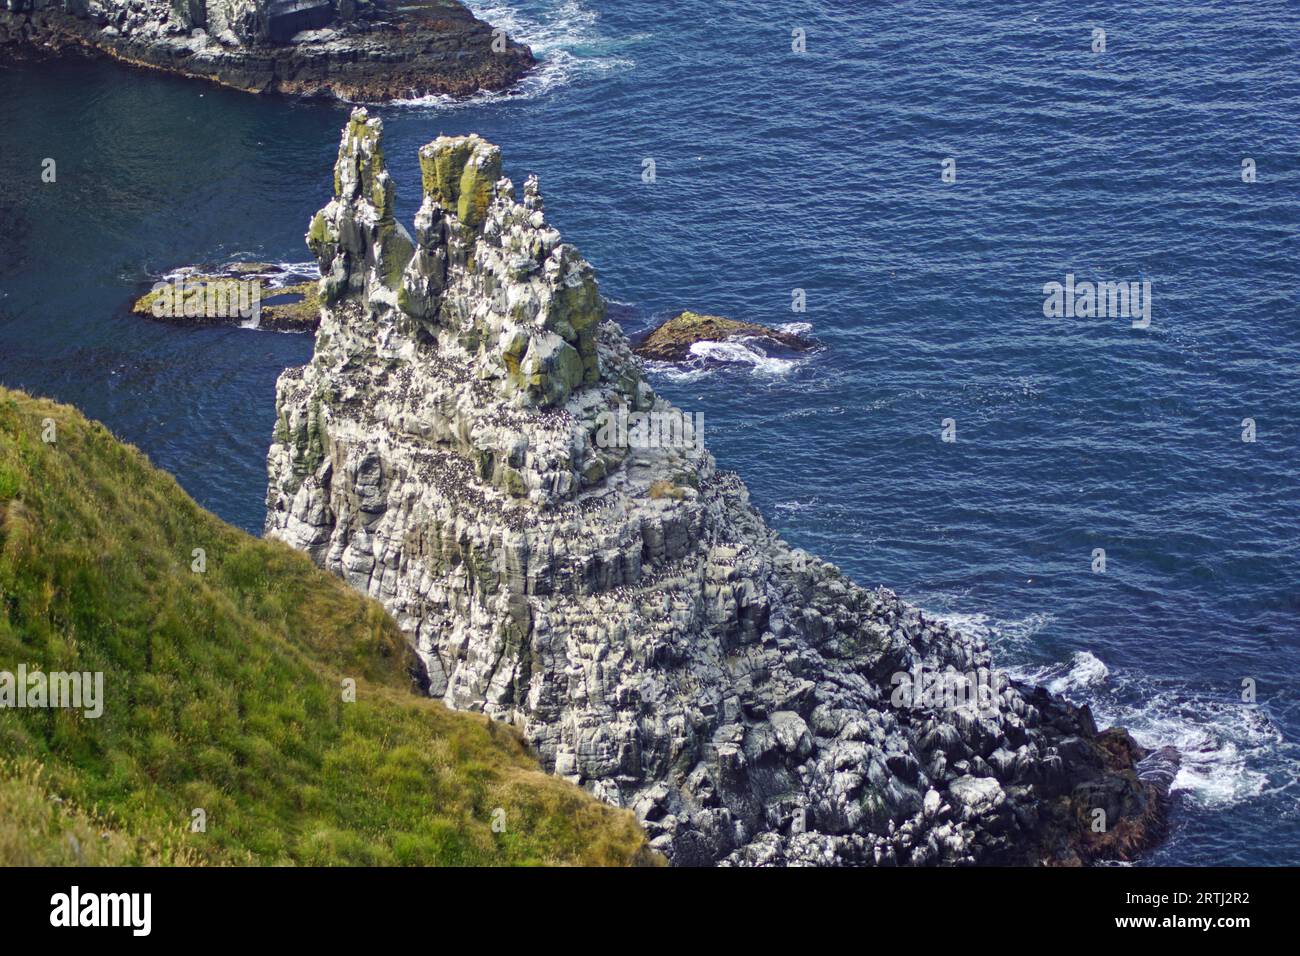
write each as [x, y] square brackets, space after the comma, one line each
[823, 171]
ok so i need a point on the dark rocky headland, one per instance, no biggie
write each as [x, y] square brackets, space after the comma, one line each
[442, 451]
[260, 295]
[359, 50]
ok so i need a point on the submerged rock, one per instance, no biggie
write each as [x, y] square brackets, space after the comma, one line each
[672, 341]
[370, 50]
[622, 602]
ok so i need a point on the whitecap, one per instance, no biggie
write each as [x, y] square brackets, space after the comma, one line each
[566, 40]
[1232, 752]
[1086, 670]
[796, 505]
[742, 352]
[1228, 748]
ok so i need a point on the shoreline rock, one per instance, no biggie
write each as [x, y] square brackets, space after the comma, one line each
[356, 50]
[441, 452]
[671, 341]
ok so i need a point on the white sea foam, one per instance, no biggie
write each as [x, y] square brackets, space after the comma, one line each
[742, 352]
[293, 273]
[565, 37]
[1228, 748]
[279, 274]
[1009, 638]
[1086, 670]
[1231, 752]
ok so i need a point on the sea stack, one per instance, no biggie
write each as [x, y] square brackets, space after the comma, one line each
[617, 597]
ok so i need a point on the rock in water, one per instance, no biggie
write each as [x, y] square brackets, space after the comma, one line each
[369, 50]
[447, 450]
[261, 295]
[671, 341]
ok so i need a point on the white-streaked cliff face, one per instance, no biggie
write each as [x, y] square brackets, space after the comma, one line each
[448, 451]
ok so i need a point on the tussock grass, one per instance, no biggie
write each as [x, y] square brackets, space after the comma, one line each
[223, 691]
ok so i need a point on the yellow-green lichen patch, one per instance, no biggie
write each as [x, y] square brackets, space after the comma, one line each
[461, 173]
[477, 182]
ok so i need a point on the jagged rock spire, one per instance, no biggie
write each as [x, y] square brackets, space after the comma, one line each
[526, 301]
[360, 245]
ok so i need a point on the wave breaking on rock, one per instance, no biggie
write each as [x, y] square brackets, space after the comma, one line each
[356, 50]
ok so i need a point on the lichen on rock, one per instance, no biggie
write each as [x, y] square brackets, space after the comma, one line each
[674, 339]
[260, 295]
[355, 237]
[625, 605]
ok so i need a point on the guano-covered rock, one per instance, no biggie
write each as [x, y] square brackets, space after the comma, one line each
[449, 450]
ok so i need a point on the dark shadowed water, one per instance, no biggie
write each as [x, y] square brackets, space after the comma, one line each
[821, 171]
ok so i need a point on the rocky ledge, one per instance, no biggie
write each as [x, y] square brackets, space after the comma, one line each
[364, 50]
[672, 341]
[459, 448]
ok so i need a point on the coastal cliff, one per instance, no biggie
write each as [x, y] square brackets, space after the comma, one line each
[366, 50]
[474, 444]
[235, 682]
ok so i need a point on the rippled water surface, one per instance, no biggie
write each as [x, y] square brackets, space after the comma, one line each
[821, 171]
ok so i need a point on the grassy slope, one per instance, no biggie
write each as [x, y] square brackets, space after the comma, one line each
[223, 691]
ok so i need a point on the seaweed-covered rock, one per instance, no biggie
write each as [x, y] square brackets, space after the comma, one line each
[254, 294]
[447, 450]
[671, 341]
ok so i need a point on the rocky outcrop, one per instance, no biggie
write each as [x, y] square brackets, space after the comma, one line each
[474, 444]
[261, 295]
[368, 50]
[672, 341]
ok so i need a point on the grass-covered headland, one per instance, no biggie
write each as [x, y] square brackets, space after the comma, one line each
[224, 692]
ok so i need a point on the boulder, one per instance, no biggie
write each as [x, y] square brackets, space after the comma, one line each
[672, 340]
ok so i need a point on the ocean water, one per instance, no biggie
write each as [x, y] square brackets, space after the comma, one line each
[821, 171]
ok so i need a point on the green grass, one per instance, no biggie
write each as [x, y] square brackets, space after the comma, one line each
[223, 691]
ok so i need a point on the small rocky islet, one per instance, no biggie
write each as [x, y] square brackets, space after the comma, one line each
[260, 295]
[627, 608]
[356, 50]
[674, 339]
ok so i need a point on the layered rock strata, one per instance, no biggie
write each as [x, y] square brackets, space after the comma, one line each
[367, 50]
[474, 444]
